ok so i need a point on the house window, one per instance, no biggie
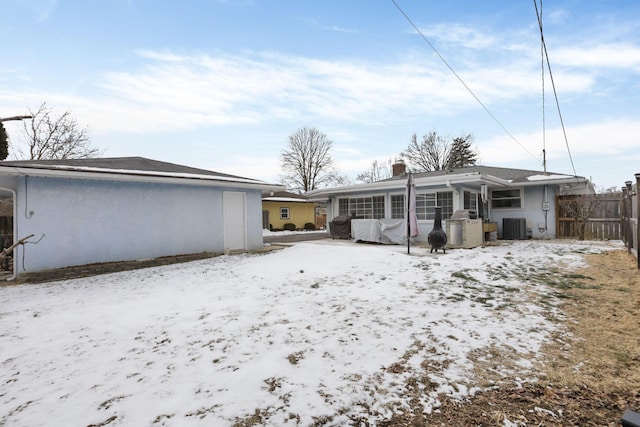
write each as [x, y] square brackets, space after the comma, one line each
[471, 201]
[284, 213]
[506, 199]
[398, 206]
[426, 205]
[371, 207]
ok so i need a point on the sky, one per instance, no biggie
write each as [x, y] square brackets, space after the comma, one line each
[202, 343]
[222, 84]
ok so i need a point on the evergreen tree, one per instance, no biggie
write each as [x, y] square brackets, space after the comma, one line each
[4, 142]
[462, 153]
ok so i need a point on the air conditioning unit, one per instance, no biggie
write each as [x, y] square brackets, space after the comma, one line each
[514, 228]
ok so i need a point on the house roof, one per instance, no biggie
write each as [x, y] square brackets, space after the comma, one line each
[127, 168]
[507, 174]
[284, 196]
[493, 177]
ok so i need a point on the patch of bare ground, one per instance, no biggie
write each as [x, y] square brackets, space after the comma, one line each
[590, 376]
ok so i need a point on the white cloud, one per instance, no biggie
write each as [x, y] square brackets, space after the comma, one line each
[613, 55]
[339, 29]
[172, 91]
[558, 17]
[461, 35]
[253, 88]
[609, 137]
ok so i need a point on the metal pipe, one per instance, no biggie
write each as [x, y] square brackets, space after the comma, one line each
[14, 276]
[638, 219]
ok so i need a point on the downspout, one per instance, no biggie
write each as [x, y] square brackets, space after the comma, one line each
[14, 276]
[545, 210]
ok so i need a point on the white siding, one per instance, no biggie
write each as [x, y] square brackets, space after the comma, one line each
[88, 221]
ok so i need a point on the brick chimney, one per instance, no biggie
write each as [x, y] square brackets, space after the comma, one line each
[399, 168]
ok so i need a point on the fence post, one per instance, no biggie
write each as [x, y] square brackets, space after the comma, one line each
[638, 219]
[625, 216]
[626, 206]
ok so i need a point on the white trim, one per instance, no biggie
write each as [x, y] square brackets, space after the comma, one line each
[285, 199]
[141, 176]
[396, 184]
[447, 180]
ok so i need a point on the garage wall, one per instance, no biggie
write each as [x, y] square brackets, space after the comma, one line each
[88, 221]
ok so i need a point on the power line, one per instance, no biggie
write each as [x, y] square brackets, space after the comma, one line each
[555, 93]
[462, 81]
[544, 124]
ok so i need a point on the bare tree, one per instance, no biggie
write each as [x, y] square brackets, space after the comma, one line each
[580, 208]
[56, 137]
[608, 190]
[428, 155]
[307, 162]
[377, 172]
[436, 152]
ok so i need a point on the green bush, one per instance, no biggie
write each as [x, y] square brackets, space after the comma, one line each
[289, 226]
[309, 226]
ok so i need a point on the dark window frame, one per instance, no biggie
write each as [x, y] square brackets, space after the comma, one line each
[363, 207]
[507, 199]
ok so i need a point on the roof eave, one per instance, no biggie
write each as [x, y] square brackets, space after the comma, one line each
[139, 177]
[558, 181]
[420, 181]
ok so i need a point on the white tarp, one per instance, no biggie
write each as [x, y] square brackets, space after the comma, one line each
[386, 231]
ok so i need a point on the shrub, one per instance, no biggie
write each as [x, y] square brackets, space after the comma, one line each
[309, 226]
[289, 226]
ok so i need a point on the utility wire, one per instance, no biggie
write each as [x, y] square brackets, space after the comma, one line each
[544, 124]
[462, 81]
[555, 93]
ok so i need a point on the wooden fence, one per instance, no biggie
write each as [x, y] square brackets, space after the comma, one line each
[604, 223]
[616, 217]
[629, 216]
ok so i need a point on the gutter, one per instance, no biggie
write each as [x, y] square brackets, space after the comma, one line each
[447, 180]
[142, 176]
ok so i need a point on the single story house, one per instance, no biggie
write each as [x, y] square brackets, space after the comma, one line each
[282, 207]
[514, 203]
[87, 211]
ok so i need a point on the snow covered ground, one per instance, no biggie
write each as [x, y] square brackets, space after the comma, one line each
[325, 331]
